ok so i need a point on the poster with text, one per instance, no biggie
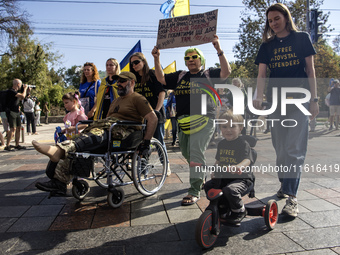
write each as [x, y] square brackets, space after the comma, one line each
[187, 30]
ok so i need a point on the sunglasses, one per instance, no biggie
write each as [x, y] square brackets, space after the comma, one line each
[136, 62]
[121, 80]
[196, 56]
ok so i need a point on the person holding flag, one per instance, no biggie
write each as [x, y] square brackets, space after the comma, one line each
[110, 86]
[193, 143]
[108, 89]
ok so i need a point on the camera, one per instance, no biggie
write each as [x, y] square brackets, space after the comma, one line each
[28, 86]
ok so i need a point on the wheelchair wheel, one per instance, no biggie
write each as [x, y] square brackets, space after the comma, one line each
[80, 189]
[204, 238]
[149, 174]
[116, 201]
[270, 214]
[100, 177]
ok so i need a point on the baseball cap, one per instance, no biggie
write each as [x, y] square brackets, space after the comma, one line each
[125, 75]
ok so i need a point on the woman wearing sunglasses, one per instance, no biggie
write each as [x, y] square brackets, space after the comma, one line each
[148, 86]
[194, 142]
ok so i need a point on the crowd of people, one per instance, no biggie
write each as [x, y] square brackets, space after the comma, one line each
[140, 94]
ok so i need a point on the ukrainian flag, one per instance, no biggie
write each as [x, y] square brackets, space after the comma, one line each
[125, 67]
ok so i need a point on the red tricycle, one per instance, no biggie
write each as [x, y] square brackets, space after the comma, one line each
[208, 225]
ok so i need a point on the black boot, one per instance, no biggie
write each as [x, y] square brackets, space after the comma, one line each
[52, 185]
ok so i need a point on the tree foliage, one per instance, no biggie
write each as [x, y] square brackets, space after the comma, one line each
[29, 61]
[11, 18]
[72, 76]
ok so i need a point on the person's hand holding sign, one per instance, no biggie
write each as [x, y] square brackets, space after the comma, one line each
[155, 52]
[217, 46]
[225, 67]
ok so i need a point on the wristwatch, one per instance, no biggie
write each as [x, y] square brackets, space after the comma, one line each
[316, 100]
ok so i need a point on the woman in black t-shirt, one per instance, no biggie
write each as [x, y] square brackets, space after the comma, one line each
[148, 86]
[188, 103]
[288, 54]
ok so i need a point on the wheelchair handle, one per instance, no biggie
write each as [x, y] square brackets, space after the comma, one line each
[129, 123]
[84, 122]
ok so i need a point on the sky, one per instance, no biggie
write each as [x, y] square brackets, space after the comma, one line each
[93, 31]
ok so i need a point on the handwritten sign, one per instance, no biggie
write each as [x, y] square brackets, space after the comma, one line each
[187, 30]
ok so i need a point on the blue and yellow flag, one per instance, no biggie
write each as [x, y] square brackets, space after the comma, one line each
[125, 67]
[124, 64]
[175, 8]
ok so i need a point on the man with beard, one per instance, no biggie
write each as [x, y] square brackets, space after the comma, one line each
[129, 106]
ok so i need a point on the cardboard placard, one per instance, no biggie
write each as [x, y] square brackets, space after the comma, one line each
[187, 30]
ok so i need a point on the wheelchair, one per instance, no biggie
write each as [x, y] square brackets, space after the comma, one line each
[209, 223]
[121, 165]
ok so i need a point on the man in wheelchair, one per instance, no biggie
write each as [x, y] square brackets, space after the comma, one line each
[129, 106]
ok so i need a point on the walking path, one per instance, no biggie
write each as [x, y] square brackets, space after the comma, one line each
[30, 223]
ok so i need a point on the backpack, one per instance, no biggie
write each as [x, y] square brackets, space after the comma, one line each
[3, 100]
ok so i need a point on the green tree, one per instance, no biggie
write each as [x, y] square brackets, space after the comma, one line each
[336, 43]
[29, 61]
[11, 18]
[72, 76]
[327, 65]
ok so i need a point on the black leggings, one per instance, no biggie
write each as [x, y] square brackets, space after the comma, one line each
[86, 142]
[91, 142]
[30, 122]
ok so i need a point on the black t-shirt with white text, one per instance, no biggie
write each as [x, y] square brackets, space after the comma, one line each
[188, 93]
[231, 153]
[285, 58]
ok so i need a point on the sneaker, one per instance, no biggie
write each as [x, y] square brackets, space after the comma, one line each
[235, 217]
[8, 148]
[19, 147]
[53, 185]
[291, 208]
[280, 194]
[2, 147]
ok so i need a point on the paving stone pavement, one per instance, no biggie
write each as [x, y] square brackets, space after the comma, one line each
[30, 223]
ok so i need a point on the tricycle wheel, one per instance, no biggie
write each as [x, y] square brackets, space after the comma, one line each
[271, 214]
[203, 235]
[80, 189]
[116, 199]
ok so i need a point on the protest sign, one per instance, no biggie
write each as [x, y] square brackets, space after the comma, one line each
[187, 30]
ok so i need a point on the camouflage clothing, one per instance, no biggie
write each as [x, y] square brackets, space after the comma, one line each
[96, 128]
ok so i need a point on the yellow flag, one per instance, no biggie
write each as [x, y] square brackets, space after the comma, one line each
[170, 68]
[182, 7]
